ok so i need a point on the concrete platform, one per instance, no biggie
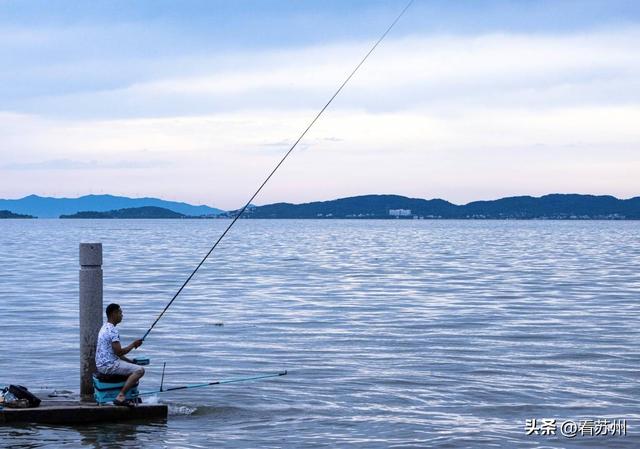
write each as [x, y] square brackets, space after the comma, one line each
[74, 412]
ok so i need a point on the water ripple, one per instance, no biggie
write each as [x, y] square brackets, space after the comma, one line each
[444, 334]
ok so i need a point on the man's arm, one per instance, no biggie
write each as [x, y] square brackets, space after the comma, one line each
[121, 352]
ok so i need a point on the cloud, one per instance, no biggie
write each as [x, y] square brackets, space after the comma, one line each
[437, 73]
[283, 145]
[333, 139]
[457, 117]
[68, 164]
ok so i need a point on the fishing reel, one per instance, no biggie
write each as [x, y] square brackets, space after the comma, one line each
[142, 361]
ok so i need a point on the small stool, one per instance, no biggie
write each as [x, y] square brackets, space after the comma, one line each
[106, 387]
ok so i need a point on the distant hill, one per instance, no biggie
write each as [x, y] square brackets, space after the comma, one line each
[133, 212]
[45, 207]
[9, 214]
[554, 206]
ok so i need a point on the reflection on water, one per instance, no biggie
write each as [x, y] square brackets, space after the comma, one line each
[122, 434]
[113, 435]
[394, 333]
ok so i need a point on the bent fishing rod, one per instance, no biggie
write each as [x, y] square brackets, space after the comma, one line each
[244, 208]
[209, 384]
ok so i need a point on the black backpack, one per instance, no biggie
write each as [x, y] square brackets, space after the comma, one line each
[21, 392]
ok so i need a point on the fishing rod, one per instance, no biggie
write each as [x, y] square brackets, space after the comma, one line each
[239, 214]
[208, 384]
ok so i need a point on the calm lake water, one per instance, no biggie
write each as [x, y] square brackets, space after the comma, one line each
[396, 334]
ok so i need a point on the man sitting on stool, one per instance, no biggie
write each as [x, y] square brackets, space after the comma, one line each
[110, 355]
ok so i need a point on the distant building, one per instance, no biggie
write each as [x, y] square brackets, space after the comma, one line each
[400, 212]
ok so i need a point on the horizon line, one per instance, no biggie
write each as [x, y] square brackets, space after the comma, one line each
[317, 201]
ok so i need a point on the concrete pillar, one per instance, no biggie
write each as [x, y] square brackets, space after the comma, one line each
[91, 312]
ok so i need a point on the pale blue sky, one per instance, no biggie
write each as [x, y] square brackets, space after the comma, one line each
[196, 100]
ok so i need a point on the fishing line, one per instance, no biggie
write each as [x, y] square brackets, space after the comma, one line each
[279, 164]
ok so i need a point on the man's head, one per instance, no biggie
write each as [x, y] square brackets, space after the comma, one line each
[114, 313]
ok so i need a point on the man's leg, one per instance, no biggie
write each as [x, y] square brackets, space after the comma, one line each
[131, 381]
[134, 373]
